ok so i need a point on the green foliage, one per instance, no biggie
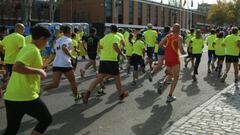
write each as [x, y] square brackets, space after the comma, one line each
[225, 13]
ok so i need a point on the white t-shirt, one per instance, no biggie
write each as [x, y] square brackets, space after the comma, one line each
[62, 59]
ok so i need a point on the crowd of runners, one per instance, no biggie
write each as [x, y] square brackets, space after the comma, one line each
[135, 52]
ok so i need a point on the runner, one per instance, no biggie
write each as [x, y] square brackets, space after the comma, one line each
[232, 44]
[172, 44]
[12, 45]
[150, 39]
[211, 51]
[189, 48]
[75, 51]
[138, 57]
[62, 63]
[129, 50]
[92, 42]
[122, 46]
[197, 44]
[3, 33]
[109, 46]
[22, 94]
[219, 51]
[160, 53]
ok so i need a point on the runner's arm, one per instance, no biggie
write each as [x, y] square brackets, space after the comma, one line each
[116, 48]
[23, 69]
[180, 43]
[66, 51]
[163, 42]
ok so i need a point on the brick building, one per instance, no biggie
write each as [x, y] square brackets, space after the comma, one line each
[136, 12]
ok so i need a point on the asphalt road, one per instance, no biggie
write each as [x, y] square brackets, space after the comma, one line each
[144, 112]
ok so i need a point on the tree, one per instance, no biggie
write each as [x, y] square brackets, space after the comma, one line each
[225, 13]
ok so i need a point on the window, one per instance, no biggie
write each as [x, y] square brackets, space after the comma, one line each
[119, 5]
[148, 13]
[163, 16]
[139, 13]
[108, 11]
[131, 9]
[156, 15]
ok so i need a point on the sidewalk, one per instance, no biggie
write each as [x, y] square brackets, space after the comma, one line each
[218, 116]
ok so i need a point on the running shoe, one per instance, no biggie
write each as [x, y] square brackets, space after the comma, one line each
[77, 98]
[100, 92]
[149, 75]
[123, 95]
[223, 78]
[171, 98]
[236, 81]
[209, 71]
[194, 78]
[102, 85]
[85, 96]
[133, 83]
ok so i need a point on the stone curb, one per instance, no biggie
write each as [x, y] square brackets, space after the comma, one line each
[196, 110]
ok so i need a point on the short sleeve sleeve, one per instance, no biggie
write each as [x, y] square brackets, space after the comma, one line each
[21, 42]
[27, 57]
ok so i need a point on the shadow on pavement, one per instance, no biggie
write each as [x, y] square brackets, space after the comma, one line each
[215, 81]
[154, 124]
[191, 89]
[186, 74]
[147, 100]
[233, 98]
[74, 121]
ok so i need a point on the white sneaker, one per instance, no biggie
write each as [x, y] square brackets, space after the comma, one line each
[170, 99]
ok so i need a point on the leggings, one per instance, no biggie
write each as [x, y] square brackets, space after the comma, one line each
[197, 62]
[35, 108]
[211, 55]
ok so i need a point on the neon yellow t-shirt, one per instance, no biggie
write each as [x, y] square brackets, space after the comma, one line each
[74, 45]
[25, 87]
[210, 40]
[188, 39]
[121, 37]
[129, 48]
[150, 37]
[107, 53]
[219, 48]
[28, 39]
[12, 44]
[231, 45]
[138, 48]
[126, 36]
[197, 45]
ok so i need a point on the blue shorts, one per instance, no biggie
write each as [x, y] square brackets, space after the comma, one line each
[160, 51]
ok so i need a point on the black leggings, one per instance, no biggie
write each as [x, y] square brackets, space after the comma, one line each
[197, 62]
[35, 108]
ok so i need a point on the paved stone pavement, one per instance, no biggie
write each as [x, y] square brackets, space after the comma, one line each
[218, 116]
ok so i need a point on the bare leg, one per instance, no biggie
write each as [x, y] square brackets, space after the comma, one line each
[35, 133]
[175, 72]
[55, 81]
[71, 78]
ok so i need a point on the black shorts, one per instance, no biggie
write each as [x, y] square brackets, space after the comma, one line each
[92, 56]
[231, 59]
[62, 69]
[9, 69]
[220, 57]
[109, 67]
[150, 52]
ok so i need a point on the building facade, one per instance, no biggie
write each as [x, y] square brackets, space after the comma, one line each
[135, 12]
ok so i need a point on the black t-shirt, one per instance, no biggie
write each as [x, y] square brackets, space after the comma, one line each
[92, 43]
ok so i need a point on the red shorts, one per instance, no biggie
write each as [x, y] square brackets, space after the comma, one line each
[171, 62]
